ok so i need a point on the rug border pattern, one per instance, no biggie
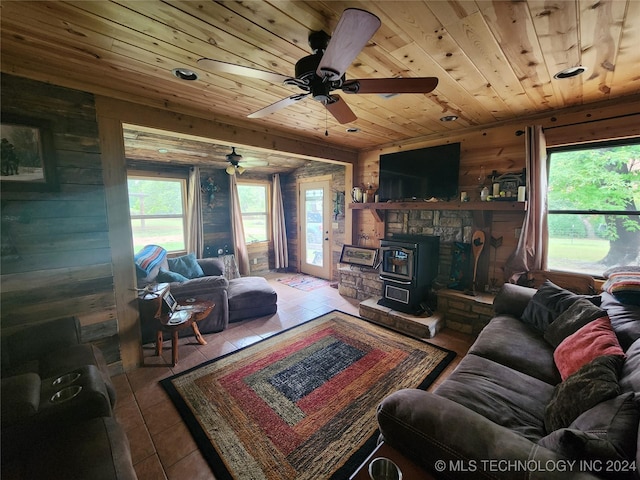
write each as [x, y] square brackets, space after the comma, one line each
[215, 460]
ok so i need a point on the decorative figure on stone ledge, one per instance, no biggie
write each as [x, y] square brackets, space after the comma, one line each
[210, 189]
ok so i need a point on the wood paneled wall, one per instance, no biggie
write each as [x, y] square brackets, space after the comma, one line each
[502, 148]
[56, 258]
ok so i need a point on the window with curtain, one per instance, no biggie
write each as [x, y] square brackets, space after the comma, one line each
[157, 209]
[254, 205]
[593, 202]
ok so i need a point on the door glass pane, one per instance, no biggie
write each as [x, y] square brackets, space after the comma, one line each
[313, 226]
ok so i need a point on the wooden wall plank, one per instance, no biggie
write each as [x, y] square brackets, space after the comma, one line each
[56, 256]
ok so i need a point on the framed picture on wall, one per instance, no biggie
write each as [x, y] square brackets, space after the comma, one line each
[363, 256]
[27, 160]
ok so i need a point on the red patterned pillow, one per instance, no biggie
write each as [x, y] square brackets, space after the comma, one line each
[595, 339]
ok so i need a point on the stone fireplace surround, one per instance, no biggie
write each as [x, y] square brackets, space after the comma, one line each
[461, 312]
[450, 225]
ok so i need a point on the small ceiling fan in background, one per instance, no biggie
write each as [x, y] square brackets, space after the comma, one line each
[234, 163]
[323, 71]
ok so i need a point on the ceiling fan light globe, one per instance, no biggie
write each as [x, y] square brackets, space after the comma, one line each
[231, 170]
[240, 170]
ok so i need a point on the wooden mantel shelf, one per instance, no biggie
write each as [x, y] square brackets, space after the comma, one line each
[376, 208]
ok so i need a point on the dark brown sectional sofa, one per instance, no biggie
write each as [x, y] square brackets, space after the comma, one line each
[496, 416]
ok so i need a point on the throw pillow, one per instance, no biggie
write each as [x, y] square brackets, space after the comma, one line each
[169, 276]
[625, 286]
[571, 320]
[595, 339]
[627, 268]
[595, 382]
[186, 265]
[549, 302]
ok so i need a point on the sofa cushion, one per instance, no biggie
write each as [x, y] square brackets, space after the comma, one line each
[212, 266]
[593, 340]
[499, 394]
[625, 319]
[606, 432]
[20, 398]
[630, 375]
[512, 343]
[97, 449]
[251, 297]
[168, 276]
[571, 320]
[595, 382]
[186, 265]
[549, 302]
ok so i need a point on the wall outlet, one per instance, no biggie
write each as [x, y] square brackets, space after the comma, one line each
[255, 261]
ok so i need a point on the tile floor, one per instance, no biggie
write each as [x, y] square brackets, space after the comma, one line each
[161, 445]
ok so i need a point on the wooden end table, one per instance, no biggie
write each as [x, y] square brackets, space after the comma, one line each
[198, 310]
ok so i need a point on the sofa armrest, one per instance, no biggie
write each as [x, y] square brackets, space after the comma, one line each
[449, 439]
[34, 341]
[512, 299]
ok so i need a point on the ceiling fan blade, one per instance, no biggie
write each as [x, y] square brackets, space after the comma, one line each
[354, 30]
[224, 67]
[340, 110]
[274, 107]
[255, 163]
[391, 85]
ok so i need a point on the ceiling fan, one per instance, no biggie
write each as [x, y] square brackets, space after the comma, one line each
[234, 163]
[323, 71]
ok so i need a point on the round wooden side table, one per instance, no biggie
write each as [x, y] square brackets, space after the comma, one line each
[197, 310]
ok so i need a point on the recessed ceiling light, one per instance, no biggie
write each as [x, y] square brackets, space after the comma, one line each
[570, 72]
[163, 150]
[185, 74]
[353, 129]
[449, 118]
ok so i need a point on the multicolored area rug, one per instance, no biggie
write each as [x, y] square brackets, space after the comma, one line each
[301, 404]
[304, 282]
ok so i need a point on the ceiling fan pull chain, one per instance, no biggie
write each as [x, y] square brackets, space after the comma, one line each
[326, 123]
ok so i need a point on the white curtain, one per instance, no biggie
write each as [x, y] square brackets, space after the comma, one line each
[240, 247]
[530, 253]
[195, 236]
[278, 226]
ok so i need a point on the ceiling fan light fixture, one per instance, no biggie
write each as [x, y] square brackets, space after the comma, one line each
[231, 170]
[240, 169]
[184, 74]
[570, 72]
[449, 118]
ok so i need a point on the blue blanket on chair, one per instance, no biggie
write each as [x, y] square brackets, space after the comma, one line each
[148, 258]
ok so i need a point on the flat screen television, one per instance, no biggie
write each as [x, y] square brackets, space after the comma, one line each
[420, 174]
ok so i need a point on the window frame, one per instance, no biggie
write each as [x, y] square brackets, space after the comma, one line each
[576, 147]
[178, 175]
[267, 186]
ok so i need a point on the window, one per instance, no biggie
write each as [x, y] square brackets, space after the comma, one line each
[593, 201]
[254, 205]
[157, 209]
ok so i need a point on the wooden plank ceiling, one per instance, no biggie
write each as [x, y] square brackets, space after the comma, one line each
[495, 60]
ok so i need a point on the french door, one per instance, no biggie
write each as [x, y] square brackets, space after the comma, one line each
[314, 219]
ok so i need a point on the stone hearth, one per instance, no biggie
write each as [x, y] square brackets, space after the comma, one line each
[424, 326]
